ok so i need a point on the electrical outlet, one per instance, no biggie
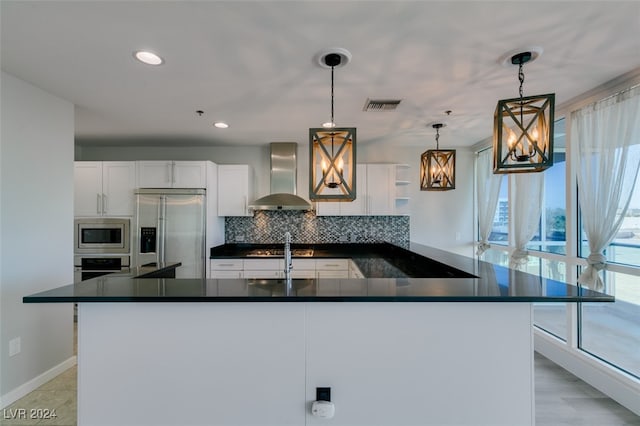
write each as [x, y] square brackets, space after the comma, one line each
[14, 346]
[240, 238]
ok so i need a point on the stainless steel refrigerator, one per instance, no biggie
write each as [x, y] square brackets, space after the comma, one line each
[170, 226]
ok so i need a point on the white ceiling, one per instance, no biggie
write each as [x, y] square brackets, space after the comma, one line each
[251, 64]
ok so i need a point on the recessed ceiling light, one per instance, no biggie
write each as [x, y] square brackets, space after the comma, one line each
[148, 58]
[221, 125]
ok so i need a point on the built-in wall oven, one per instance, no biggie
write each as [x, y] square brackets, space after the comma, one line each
[91, 266]
[101, 235]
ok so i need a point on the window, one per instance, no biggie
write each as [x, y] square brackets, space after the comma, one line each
[611, 331]
[551, 235]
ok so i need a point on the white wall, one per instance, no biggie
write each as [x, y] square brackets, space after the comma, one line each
[442, 219]
[439, 219]
[36, 228]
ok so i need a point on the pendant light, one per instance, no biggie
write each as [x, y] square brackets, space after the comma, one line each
[523, 128]
[438, 166]
[332, 150]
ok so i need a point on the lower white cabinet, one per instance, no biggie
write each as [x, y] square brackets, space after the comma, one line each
[226, 268]
[263, 268]
[274, 268]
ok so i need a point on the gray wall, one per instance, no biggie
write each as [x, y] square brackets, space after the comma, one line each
[36, 229]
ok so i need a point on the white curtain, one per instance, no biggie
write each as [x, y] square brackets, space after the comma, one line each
[488, 191]
[607, 137]
[527, 206]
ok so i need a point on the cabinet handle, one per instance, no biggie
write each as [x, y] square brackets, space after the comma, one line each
[173, 172]
[104, 204]
[98, 209]
[225, 264]
[246, 206]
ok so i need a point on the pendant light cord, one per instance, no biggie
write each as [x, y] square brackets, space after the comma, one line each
[437, 139]
[333, 122]
[521, 78]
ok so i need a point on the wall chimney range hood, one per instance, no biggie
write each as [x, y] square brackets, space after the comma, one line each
[283, 181]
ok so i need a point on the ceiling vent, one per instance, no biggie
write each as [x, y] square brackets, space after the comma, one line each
[381, 104]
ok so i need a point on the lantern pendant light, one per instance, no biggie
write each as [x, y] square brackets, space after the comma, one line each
[523, 129]
[332, 150]
[438, 167]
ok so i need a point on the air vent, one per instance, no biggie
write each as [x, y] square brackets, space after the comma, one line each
[381, 104]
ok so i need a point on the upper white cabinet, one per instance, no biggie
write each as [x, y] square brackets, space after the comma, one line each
[104, 188]
[376, 193]
[172, 174]
[380, 189]
[234, 189]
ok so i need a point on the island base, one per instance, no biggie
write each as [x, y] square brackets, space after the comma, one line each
[260, 363]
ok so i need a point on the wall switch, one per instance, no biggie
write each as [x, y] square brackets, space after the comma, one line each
[458, 237]
[14, 346]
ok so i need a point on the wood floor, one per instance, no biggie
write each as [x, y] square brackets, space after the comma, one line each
[561, 399]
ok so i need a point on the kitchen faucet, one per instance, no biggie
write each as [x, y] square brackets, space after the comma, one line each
[287, 261]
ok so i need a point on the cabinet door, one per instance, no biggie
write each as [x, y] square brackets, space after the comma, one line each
[357, 207]
[233, 190]
[380, 189]
[328, 208]
[87, 176]
[118, 184]
[155, 174]
[189, 174]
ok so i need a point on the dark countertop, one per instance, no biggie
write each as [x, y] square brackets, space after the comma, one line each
[377, 260]
[476, 282]
[151, 270]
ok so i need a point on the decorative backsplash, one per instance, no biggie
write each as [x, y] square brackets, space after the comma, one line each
[268, 227]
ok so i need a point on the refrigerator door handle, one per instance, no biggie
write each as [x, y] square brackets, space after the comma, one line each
[162, 231]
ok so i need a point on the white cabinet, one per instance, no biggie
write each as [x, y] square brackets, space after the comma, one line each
[263, 268]
[274, 268]
[172, 174]
[104, 188]
[376, 194]
[354, 271]
[234, 189]
[303, 268]
[380, 189]
[226, 268]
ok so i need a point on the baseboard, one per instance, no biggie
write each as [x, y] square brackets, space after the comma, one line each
[614, 383]
[33, 384]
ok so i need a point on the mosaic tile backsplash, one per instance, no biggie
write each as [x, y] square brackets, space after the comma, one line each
[268, 227]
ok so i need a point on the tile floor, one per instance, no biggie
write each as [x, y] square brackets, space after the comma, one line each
[561, 399]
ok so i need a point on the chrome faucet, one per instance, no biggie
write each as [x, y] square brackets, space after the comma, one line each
[288, 266]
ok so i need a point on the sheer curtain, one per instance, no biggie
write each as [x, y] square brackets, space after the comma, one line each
[488, 191]
[527, 207]
[607, 136]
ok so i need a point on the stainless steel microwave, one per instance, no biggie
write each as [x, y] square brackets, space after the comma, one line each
[101, 235]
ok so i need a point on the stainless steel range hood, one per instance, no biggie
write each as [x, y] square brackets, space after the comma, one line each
[283, 181]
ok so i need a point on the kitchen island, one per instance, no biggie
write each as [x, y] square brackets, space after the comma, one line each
[394, 351]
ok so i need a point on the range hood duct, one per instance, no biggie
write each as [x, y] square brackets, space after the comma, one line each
[283, 181]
